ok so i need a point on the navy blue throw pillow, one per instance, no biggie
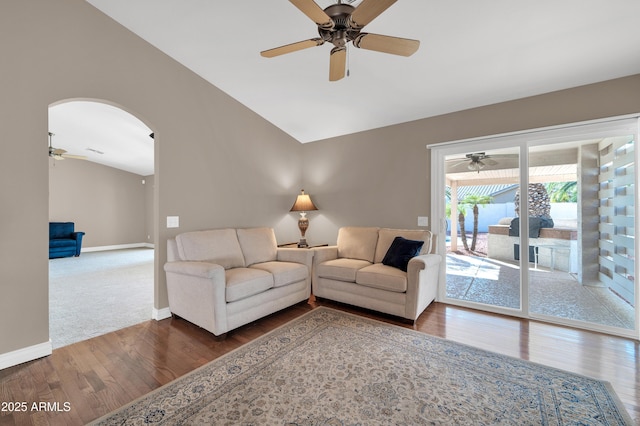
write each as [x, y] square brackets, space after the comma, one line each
[401, 251]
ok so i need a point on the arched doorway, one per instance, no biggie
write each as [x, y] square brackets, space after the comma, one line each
[104, 184]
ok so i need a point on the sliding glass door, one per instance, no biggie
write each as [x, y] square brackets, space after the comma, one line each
[542, 224]
[480, 188]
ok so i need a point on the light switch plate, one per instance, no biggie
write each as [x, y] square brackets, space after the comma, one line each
[173, 221]
[423, 220]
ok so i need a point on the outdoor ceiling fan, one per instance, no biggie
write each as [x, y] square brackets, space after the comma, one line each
[478, 160]
[61, 154]
[342, 23]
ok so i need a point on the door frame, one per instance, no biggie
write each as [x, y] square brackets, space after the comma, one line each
[523, 140]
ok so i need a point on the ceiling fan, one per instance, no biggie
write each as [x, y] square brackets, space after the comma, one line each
[478, 160]
[61, 154]
[342, 23]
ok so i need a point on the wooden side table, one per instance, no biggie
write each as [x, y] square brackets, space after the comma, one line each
[295, 245]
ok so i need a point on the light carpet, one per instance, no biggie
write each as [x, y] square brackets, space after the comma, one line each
[99, 292]
[333, 368]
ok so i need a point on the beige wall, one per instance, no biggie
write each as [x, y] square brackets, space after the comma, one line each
[149, 202]
[108, 204]
[381, 177]
[217, 163]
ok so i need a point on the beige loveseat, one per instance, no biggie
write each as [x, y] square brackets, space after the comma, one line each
[221, 279]
[353, 272]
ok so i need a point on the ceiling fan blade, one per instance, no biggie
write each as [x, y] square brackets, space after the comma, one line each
[75, 157]
[387, 44]
[459, 163]
[58, 151]
[314, 12]
[452, 160]
[502, 156]
[293, 47]
[337, 63]
[368, 11]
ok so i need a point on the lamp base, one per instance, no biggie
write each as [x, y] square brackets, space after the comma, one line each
[303, 224]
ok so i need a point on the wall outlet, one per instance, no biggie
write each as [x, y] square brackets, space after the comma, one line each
[173, 221]
[423, 221]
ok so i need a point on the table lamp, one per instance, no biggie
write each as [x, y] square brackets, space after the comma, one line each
[303, 204]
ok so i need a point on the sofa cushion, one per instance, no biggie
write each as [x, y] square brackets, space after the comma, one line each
[244, 282]
[383, 277]
[218, 246]
[401, 252]
[258, 245]
[387, 235]
[284, 273]
[356, 242]
[343, 269]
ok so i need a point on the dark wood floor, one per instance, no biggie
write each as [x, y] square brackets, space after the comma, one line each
[86, 380]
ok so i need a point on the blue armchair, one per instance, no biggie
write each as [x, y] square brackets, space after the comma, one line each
[63, 240]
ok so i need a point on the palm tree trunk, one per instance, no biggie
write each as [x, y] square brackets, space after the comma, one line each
[463, 234]
[475, 227]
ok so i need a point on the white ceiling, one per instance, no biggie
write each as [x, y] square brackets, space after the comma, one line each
[472, 53]
[104, 134]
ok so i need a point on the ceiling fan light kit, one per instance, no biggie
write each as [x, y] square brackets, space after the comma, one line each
[340, 24]
[476, 166]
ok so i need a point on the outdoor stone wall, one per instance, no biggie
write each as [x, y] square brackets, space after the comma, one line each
[539, 203]
[563, 257]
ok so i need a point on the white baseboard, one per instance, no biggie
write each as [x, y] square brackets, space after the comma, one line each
[160, 314]
[25, 354]
[117, 247]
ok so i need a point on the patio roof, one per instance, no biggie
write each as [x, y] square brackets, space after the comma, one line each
[490, 190]
[539, 174]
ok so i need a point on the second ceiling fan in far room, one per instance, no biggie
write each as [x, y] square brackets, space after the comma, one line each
[59, 153]
[477, 161]
[340, 24]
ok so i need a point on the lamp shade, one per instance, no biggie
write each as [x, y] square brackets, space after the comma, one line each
[303, 203]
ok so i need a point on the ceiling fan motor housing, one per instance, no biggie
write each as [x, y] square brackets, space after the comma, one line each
[342, 31]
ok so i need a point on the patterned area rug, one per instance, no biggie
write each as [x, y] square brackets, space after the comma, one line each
[333, 368]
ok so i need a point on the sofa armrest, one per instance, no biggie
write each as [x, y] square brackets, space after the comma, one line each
[197, 293]
[322, 254]
[424, 261]
[296, 255]
[422, 283]
[197, 269]
[78, 237]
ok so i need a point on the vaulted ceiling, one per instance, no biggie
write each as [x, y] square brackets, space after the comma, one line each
[472, 53]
